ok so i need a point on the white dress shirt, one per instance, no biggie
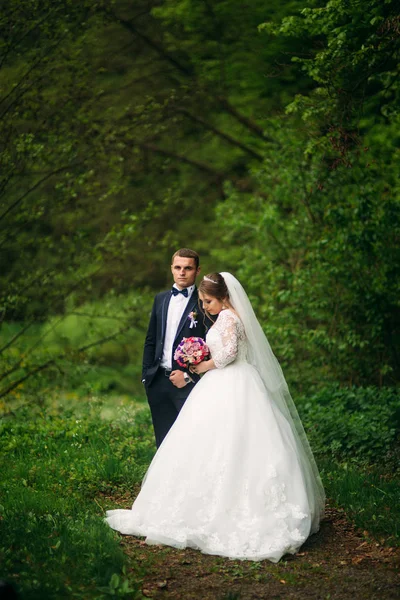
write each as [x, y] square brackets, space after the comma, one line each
[177, 305]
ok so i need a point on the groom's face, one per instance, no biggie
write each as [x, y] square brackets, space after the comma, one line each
[184, 271]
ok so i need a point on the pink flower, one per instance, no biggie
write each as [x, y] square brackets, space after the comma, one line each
[191, 351]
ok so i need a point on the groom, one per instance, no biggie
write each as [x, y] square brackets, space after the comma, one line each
[175, 315]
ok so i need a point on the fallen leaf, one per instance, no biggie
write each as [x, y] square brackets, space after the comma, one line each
[361, 545]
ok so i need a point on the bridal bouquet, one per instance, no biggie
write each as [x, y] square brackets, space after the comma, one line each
[191, 351]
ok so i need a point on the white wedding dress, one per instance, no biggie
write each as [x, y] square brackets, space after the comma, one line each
[227, 479]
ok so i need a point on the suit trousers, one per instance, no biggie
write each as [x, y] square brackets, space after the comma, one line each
[166, 401]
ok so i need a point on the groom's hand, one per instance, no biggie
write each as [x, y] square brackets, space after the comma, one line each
[177, 379]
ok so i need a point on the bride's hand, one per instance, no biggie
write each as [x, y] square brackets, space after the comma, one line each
[200, 368]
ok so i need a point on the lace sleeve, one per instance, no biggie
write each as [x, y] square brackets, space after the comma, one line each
[227, 328]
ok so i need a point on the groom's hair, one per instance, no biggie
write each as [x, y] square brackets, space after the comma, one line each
[187, 253]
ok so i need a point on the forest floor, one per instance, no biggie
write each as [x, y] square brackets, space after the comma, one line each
[338, 563]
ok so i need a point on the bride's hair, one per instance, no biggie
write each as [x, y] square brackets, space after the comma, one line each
[214, 285]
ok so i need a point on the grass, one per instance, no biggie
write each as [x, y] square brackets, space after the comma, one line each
[65, 462]
[369, 495]
[355, 433]
[60, 469]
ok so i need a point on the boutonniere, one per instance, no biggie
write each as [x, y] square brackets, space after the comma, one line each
[192, 318]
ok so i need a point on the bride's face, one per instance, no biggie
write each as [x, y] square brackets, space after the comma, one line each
[210, 304]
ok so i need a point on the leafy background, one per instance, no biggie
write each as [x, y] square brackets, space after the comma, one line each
[266, 137]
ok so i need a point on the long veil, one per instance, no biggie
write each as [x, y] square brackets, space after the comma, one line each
[260, 355]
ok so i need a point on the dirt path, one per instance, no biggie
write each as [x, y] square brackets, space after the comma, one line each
[337, 563]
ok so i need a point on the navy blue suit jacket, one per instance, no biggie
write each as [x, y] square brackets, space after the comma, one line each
[154, 343]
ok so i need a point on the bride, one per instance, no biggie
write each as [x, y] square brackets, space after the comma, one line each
[235, 475]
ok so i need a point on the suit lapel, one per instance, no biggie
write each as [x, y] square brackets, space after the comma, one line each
[191, 305]
[164, 313]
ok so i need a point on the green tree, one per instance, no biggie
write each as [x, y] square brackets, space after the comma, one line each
[326, 240]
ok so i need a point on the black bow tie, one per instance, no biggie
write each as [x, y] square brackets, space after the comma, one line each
[175, 291]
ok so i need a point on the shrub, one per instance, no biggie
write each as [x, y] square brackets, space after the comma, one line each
[358, 423]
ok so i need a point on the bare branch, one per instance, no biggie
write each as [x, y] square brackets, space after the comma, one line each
[155, 45]
[34, 187]
[189, 161]
[189, 72]
[64, 294]
[221, 134]
[32, 68]
[251, 125]
[16, 336]
[28, 32]
[243, 185]
[61, 356]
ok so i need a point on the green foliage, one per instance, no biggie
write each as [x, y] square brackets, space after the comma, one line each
[355, 435]
[64, 465]
[265, 136]
[355, 62]
[367, 496]
[121, 126]
[56, 467]
[321, 238]
[354, 424]
[221, 45]
[44, 240]
[320, 257]
[68, 345]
